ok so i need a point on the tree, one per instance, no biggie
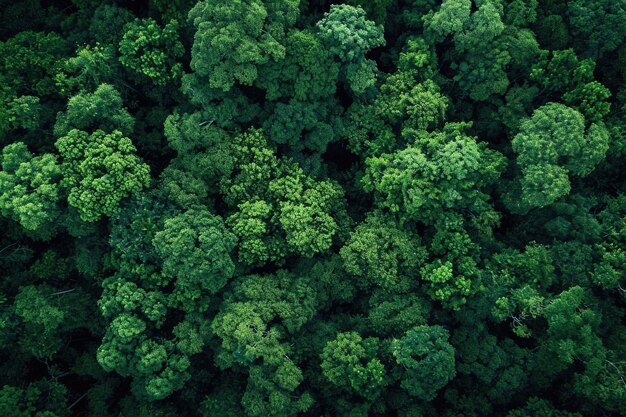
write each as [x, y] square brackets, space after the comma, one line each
[376, 9]
[24, 112]
[195, 248]
[347, 34]
[301, 125]
[350, 362]
[87, 70]
[552, 144]
[38, 399]
[29, 187]
[107, 24]
[487, 366]
[562, 70]
[481, 72]
[99, 170]
[536, 406]
[611, 249]
[139, 298]
[42, 317]
[448, 20]
[381, 253]
[427, 359]
[308, 71]
[520, 12]
[151, 51]
[439, 171]
[392, 313]
[253, 324]
[233, 38]
[283, 208]
[30, 60]
[590, 100]
[277, 210]
[419, 106]
[101, 109]
[597, 25]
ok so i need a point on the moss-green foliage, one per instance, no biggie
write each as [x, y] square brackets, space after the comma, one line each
[315, 208]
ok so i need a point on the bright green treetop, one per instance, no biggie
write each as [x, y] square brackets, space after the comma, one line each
[151, 50]
[99, 170]
[29, 186]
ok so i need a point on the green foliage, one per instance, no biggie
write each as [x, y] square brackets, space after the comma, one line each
[278, 209]
[381, 253]
[99, 170]
[29, 186]
[139, 299]
[254, 319]
[589, 99]
[427, 359]
[482, 72]
[29, 61]
[598, 25]
[298, 208]
[151, 51]
[419, 106]
[551, 145]
[447, 284]
[392, 313]
[36, 400]
[562, 70]
[520, 12]
[302, 125]
[103, 109]
[107, 24]
[195, 248]
[350, 362]
[538, 407]
[347, 34]
[613, 257]
[308, 71]
[376, 9]
[233, 38]
[24, 112]
[441, 170]
[449, 19]
[41, 319]
[87, 70]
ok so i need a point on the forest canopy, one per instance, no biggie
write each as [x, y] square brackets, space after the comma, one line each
[316, 208]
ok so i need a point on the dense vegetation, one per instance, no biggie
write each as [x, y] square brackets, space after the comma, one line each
[295, 207]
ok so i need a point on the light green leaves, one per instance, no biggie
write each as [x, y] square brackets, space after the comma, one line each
[29, 186]
[440, 171]
[151, 50]
[99, 171]
[350, 362]
[348, 34]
